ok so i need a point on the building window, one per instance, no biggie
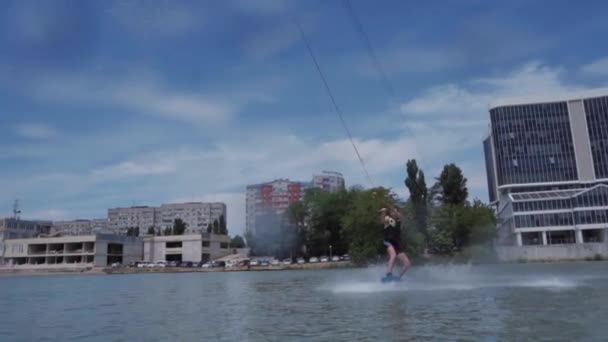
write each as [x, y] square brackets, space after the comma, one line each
[174, 244]
[224, 245]
[206, 243]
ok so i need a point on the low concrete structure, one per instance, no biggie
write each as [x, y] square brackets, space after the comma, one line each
[579, 251]
[192, 247]
[98, 250]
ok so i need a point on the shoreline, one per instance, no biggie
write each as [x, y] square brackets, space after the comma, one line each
[16, 272]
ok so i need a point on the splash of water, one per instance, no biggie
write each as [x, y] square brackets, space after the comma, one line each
[449, 278]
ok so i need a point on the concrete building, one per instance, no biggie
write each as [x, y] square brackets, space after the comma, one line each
[329, 181]
[98, 250]
[547, 170]
[191, 247]
[11, 228]
[196, 215]
[14, 228]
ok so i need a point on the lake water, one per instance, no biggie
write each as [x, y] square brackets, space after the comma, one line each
[550, 302]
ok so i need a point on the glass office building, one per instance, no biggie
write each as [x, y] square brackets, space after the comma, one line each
[547, 170]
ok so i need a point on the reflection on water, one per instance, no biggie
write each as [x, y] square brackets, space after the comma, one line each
[507, 302]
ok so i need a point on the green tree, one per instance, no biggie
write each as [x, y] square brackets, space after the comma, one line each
[222, 227]
[179, 226]
[209, 228]
[216, 227]
[361, 223]
[168, 231]
[133, 231]
[151, 230]
[416, 185]
[237, 242]
[297, 214]
[453, 185]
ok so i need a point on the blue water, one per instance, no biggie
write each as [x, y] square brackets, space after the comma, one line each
[543, 302]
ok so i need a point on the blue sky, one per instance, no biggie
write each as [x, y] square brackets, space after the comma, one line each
[115, 103]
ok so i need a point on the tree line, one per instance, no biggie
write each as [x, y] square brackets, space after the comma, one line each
[437, 220]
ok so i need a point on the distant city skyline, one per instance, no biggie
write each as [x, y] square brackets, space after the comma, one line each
[113, 103]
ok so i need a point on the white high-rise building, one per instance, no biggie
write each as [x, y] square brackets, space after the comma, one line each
[196, 215]
[120, 219]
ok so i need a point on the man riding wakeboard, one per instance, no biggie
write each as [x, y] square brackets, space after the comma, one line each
[391, 219]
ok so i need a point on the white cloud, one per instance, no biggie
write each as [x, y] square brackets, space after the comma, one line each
[35, 130]
[531, 83]
[141, 93]
[261, 7]
[596, 68]
[164, 18]
[411, 60]
[272, 40]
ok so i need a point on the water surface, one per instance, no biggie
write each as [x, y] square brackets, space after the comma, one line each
[544, 302]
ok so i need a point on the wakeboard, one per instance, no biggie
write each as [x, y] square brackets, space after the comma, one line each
[390, 279]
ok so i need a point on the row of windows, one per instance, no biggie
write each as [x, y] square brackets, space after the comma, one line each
[542, 205]
[544, 220]
[591, 216]
[593, 198]
[533, 143]
[562, 219]
[597, 124]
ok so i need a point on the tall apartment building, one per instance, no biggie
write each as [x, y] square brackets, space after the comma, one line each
[329, 181]
[196, 215]
[120, 219]
[547, 170]
[273, 198]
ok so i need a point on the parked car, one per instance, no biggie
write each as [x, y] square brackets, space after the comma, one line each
[208, 264]
[301, 261]
[287, 261]
[116, 264]
[335, 258]
[230, 263]
[345, 257]
[313, 260]
[254, 263]
[264, 263]
[186, 264]
[324, 258]
[275, 262]
[172, 264]
[219, 264]
[161, 264]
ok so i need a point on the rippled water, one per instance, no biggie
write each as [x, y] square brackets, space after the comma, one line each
[548, 302]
